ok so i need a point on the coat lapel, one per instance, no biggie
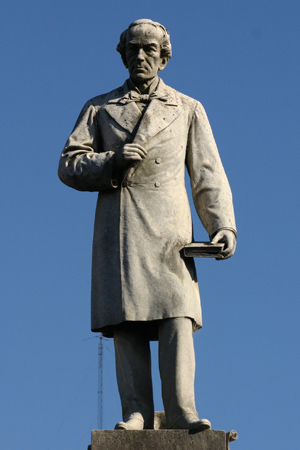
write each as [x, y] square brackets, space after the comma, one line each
[126, 115]
[158, 115]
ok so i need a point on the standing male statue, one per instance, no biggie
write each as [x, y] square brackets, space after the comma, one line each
[132, 145]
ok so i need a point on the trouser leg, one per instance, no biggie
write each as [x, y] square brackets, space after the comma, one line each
[133, 366]
[177, 369]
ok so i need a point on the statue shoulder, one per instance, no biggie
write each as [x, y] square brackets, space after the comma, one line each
[186, 101]
[103, 99]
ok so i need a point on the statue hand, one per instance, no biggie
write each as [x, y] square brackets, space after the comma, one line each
[229, 239]
[130, 153]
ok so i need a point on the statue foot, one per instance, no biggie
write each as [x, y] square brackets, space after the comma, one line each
[192, 423]
[135, 422]
[200, 425]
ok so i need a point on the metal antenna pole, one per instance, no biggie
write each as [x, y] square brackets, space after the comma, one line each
[100, 381]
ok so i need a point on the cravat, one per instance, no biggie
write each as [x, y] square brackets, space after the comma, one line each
[134, 96]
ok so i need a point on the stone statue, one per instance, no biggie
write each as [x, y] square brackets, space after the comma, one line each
[131, 145]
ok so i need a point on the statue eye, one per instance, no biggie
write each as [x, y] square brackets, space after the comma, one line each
[132, 48]
[150, 48]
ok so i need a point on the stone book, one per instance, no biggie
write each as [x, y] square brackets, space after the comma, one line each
[203, 250]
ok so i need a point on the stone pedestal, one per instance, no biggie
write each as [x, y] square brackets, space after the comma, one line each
[158, 439]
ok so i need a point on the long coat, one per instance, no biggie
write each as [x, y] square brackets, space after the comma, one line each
[143, 219]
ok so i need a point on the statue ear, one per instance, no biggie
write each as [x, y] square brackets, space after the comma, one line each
[163, 63]
[124, 61]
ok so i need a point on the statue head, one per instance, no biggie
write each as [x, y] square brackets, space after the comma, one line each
[145, 48]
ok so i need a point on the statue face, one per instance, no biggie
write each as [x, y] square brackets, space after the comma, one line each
[143, 52]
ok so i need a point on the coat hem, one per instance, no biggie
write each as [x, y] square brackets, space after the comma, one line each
[151, 330]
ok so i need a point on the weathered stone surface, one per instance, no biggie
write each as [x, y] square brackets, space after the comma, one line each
[158, 439]
[159, 420]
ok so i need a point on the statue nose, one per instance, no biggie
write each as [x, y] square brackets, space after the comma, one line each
[140, 55]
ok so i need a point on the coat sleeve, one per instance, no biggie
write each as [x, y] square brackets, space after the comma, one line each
[83, 166]
[210, 188]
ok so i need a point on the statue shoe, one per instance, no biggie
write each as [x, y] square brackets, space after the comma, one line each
[192, 423]
[200, 425]
[135, 422]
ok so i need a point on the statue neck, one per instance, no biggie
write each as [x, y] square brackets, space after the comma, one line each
[148, 86]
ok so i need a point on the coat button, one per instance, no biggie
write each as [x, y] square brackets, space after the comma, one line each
[125, 184]
[158, 160]
[157, 184]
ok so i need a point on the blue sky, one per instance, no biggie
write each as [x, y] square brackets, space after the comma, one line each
[241, 60]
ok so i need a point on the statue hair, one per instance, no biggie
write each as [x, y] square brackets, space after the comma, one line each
[165, 46]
